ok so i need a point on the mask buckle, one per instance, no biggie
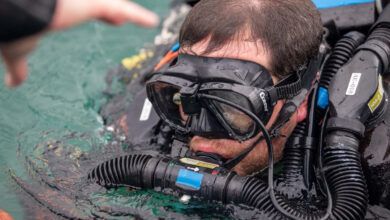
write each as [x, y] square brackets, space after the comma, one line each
[189, 100]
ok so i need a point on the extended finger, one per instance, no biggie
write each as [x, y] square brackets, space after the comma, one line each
[15, 59]
[17, 72]
[120, 11]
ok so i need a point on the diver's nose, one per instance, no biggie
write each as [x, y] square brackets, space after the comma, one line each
[206, 125]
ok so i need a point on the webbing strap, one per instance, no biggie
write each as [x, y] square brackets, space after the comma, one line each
[286, 89]
[290, 90]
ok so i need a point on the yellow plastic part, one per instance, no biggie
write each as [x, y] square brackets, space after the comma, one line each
[136, 60]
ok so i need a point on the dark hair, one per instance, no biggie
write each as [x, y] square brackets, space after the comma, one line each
[290, 30]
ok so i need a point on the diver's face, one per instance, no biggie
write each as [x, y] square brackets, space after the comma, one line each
[257, 159]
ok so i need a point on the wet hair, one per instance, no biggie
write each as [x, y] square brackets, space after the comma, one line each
[290, 30]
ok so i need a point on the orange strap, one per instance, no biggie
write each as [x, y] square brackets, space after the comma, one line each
[168, 57]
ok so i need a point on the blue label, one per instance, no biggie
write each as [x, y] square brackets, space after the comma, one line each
[189, 178]
[322, 4]
[323, 99]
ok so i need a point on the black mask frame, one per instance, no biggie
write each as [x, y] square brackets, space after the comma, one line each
[190, 85]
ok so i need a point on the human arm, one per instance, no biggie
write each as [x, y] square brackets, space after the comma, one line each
[30, 19]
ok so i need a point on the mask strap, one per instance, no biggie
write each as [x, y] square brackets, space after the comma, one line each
[290, 90]
[307, 77]
[285, 89]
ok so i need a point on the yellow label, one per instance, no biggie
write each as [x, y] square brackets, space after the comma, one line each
[198, 163]
[377, 98]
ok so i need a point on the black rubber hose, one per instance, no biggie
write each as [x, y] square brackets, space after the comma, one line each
[379, 40]
[255, 192]
[342, 52]
[121, 171]
[380, 33]
[343, 173]
[293, 157]
[345, 176]
[379, 43]
[341, 163]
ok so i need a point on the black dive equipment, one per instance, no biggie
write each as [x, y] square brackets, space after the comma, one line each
[341, 54]
[181, 96]
[213, 97]
[356, 102]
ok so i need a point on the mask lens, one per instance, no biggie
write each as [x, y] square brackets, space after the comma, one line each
[240, 122]
[167, 98]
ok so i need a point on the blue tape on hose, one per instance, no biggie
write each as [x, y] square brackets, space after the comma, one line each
[322, 4]
[323, 99]
[189, 178]
[176, 47]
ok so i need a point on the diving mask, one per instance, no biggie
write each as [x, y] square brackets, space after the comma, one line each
[198, 96]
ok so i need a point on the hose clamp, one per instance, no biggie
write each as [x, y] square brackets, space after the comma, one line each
[349, 125]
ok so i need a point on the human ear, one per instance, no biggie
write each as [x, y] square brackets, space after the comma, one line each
[302, 111]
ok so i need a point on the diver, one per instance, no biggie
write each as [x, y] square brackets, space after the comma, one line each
[239, 86]
[272, 55]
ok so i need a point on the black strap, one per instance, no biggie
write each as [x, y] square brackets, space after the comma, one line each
[307, 143]
[290, 90]
[285, 89]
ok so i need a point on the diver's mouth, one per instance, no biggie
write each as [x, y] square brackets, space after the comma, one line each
[199, 144]
[209, 150]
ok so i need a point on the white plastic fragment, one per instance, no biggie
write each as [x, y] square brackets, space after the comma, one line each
[185, 199]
